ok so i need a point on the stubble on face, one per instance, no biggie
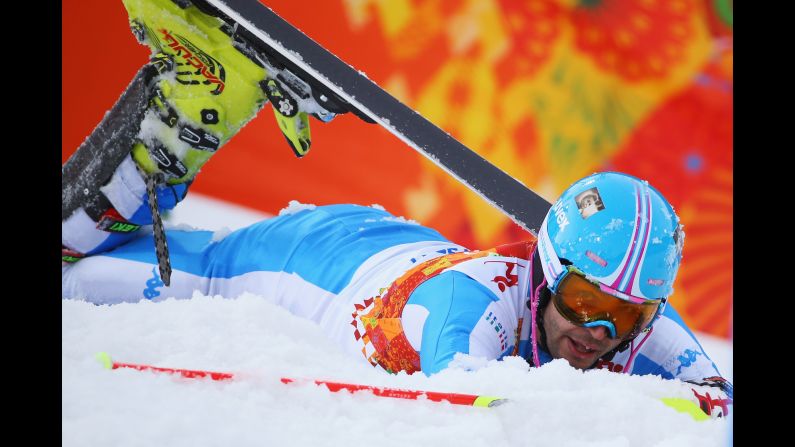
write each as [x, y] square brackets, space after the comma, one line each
[580, 346]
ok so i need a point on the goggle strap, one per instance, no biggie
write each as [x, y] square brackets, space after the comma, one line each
[633, 351]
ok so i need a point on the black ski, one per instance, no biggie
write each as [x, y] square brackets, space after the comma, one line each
[93, 163]
[339, 86]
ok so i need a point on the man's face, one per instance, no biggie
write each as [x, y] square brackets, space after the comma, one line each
[580, 346]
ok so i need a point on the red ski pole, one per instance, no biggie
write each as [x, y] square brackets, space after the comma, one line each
[454, 398]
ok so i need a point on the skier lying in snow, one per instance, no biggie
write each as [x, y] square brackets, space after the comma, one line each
[592, 289]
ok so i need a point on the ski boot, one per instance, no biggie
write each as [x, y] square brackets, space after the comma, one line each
[199, 89]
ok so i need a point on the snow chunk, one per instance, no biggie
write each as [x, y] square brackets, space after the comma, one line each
[393, 219]
[614, 224]
[296, 55]
[400, 219]
[220, 234]
[378, 207]
[179, 227]
[295, 206]
[154, 130]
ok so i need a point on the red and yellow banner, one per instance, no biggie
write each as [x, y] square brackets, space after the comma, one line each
[549, 91]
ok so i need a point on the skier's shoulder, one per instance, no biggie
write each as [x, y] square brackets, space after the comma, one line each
[671, 350]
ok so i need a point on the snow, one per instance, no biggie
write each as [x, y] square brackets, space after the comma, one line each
[393, 219]
[295, 206]
[180, 226]
[554, 405]
[154, 130]
[614, 224]
[220, 234]
[400, 219]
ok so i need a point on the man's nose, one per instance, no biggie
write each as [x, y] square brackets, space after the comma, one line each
[599, 332]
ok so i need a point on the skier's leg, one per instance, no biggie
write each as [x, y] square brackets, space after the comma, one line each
[129, 273]
[302, 260]
[160, 129]
[196, 93]
[200, 89]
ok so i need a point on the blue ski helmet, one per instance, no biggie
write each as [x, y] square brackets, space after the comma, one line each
[619, 232]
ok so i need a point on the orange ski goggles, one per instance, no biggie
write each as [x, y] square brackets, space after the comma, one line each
[585, 303]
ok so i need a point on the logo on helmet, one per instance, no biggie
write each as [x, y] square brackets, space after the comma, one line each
[589, 202]
[560, 216]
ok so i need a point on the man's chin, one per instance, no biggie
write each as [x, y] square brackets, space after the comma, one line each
[578, 359]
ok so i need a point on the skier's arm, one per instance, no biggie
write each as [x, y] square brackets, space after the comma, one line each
[455, 306]
[673, 352]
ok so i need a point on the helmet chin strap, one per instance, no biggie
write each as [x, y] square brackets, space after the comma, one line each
[534, 301]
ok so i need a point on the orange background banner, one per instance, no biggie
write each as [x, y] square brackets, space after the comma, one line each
[549, 91]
